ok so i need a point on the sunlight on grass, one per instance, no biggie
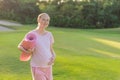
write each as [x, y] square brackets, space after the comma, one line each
[78, 57]
[106, 53]
[111, 43]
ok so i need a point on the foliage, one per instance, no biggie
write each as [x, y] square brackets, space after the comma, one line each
[19, 11]
[65, 13]
[28, 13]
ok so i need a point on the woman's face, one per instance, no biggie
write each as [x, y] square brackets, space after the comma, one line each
[44, 21]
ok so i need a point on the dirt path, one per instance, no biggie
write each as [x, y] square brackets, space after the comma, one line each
[5, 29]
[8, 23]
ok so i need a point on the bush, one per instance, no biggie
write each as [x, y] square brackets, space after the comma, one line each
[84, 14]
[19, 11]
[74, 14]
[28, 13]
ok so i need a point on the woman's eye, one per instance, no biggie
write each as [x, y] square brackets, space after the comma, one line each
[43, 19]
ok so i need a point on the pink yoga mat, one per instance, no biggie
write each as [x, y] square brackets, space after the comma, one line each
[27, 43]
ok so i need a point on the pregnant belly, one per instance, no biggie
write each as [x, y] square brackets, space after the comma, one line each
[40, 60]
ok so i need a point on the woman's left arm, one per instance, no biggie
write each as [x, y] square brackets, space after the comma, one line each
[52, 51]
[52, 59]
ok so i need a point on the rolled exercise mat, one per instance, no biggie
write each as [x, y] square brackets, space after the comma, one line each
[28, 43]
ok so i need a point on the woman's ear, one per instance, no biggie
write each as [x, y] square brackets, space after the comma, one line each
[38, 19]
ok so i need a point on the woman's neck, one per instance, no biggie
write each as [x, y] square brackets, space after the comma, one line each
[40, 31]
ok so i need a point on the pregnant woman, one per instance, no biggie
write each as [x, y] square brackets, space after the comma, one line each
[42, 55]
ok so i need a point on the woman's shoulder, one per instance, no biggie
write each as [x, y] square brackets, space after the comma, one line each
[49, 33]
[31, 32]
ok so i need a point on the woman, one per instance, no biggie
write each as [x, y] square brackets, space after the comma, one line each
[43, 55]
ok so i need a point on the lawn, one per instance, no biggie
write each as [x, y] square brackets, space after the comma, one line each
[81, 54]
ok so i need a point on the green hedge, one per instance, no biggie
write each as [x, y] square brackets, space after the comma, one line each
[23, 12]
[74, 14]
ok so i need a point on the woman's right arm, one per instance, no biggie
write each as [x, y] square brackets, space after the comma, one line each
[23, 49]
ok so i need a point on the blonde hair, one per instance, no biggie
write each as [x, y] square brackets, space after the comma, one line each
[40, 15]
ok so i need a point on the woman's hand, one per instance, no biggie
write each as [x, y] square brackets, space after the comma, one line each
[52, 59]
[30, 50]
[26, 50]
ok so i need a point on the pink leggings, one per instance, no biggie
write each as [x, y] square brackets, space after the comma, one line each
[42, 73]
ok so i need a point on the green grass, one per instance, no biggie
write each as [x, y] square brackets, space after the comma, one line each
[81, 54]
